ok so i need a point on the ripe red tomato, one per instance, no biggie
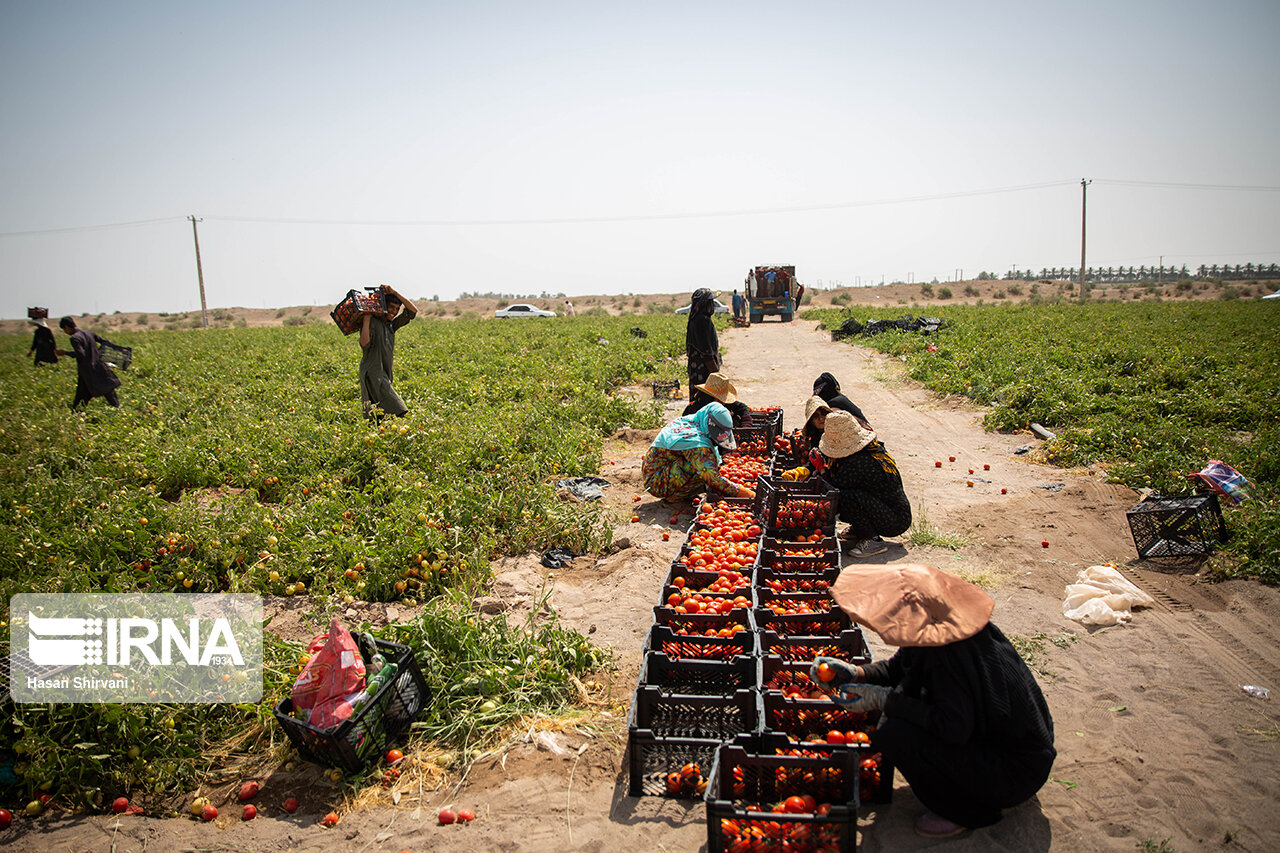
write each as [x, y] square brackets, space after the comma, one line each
[825, 672]
[291, 805]
[331, 819]
[250, 812]
[834, 736]
[446, 817]
[466, 815]
[208, 813]
[120, 805]
[795, 805]
[394, 755]
[249, 790]
[6, 818]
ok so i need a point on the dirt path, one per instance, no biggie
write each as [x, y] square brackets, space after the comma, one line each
[1155, 738]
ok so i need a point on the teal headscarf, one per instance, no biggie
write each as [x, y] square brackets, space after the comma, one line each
[693, 430]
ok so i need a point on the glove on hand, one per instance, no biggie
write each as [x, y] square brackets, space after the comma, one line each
[844, 673]
[861, 698]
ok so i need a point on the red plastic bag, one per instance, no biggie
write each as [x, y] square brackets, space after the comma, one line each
[334, 672]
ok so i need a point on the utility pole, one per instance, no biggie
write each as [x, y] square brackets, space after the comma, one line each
[204, 309]
[1084, 190]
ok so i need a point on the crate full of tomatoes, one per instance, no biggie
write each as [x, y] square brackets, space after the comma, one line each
[800, 557]
[797, 803]
[742, 467]
[799, 614]
[805, 505]
[875, 774]
[848, 645]
[779, 581]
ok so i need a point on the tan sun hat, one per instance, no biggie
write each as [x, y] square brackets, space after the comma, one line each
[912, 604]
[844, 435]
[814, 405]
[719, 386]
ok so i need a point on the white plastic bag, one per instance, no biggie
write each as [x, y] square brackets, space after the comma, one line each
[1102, 596]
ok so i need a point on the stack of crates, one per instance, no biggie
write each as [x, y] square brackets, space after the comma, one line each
[724, 708]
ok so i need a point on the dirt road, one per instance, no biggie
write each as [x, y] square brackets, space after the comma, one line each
[1156, 740]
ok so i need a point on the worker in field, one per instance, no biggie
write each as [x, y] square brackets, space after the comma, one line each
[739, 306]
[94, 377]
[718, 389]
[42, 342]
[961, 717]
[872, 499]
[701, 343]
[684, 459]
[378, 344]
[826, 387]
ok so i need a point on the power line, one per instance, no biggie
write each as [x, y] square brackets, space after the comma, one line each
[76, 228]
[1176, 186]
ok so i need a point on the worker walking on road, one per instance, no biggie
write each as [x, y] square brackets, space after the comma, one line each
[701, 343]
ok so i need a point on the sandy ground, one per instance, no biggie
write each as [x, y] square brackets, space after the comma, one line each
[1156, 740]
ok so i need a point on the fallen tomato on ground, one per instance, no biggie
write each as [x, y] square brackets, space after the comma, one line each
[446, 817]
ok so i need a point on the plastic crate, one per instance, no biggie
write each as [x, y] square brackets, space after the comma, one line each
[663, 390]
[828, 543]
[680, 715]
[779, 499]
[831, 620]
[744, 786]
[347, 313]
[818, 580]
[802, 718]
[1176, 527]
[875, 777]
[698, 677]
[754, 440]
[696, 647]
[700, 623]
[115, 355]
[365, 735]
[777, 674]
[849, 646]
[652, 759]
[781, 563]
[697, 580]
[37, 313]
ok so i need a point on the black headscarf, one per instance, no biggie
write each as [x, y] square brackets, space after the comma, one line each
[826, 387]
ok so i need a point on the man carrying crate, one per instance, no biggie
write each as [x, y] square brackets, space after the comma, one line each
[94, 378]
[378, 342]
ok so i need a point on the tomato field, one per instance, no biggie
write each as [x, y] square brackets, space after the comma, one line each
[1149, 392]
[240, 462]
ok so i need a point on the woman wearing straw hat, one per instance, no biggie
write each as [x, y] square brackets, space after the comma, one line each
[684, 460]
[962, 717]
[872, 500]
[43, 343]
[718, 389]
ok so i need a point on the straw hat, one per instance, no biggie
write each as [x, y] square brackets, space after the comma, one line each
[814, 405]
[719, 386]
[912, 604]
[844, 435]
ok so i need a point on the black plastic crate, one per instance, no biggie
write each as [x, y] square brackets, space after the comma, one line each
[826, 545]
[745, 786]
[666, 390]
[820, 579]
[698, 677]
[829, 620]
[660, 766]
[875, 774]
[699, 647]
[813, 557]
[780, 500]
[697, 580]
[364, 736]
[778, 674]
[803, 718]
[848, 645]
[700, 624]
[1177, 527]
[677, 715]
[754, 440]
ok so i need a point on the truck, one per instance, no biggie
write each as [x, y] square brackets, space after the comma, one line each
[772, 289]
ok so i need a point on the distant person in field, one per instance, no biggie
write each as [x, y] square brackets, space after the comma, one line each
[684, 460]
[378, 342]
[738, 304]
[94, 377]
[701, 343]
[872, 500]
[568, 309]
[43, 343]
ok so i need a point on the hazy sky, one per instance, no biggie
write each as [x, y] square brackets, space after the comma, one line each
[598, 147]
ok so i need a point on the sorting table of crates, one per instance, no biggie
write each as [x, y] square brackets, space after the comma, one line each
[724, 708]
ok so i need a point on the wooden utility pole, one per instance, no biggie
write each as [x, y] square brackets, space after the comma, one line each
[1084, 189]
[204, 309]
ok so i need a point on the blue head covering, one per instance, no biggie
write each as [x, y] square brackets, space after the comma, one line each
[694, 430]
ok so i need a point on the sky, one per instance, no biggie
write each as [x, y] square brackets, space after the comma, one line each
[602, 148]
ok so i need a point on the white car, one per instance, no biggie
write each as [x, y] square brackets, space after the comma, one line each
[720, 308]
[522, 310]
